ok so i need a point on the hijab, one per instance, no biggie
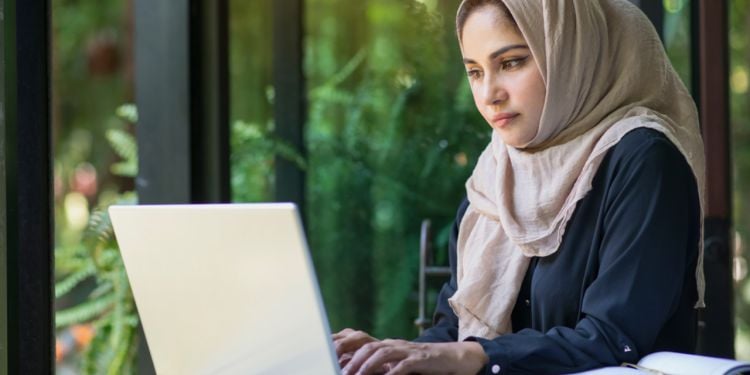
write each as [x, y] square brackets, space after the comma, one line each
[606, 73]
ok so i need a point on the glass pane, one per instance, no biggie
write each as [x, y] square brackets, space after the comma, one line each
[94, 161]
[251, 87]
[392, 136]
[739, 63]
[676, 36]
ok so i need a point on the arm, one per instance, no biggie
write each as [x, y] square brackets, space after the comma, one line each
[645, 252]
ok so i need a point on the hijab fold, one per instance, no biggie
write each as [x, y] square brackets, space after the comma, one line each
[606, 73]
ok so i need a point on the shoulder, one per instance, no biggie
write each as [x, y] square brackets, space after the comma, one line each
[646, 149]
[642, 142]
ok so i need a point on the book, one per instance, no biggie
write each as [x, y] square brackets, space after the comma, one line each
[669, 363]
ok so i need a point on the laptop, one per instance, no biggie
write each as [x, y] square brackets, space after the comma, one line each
[225, 288]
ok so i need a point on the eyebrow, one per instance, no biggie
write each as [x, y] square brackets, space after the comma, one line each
[498, 52]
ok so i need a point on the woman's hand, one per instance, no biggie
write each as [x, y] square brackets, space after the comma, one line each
[349, 341]
[405, 357]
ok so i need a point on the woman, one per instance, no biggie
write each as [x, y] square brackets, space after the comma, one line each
[579, 244]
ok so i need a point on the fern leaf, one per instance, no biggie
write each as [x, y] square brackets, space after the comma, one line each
[117, 315]
[70, 259]
[127, 112]
[132, 320]
[67, 284]
[83, 312]
[123, 143]
[347, 69]
[104, 287]
[99, 229]
[104, 358]
[94, 351]
[122, 351]
[124, 169]
[128, 197]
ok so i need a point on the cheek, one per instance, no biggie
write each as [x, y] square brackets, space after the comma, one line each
[533, 93]
[537, 91]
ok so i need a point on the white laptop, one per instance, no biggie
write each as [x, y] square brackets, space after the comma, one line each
[225, 289]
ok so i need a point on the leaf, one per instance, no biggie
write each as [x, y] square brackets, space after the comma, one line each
[123, 143]
[99, 230]
[104, 287]
[125, 169]
[83, 312]
[347, 69]
[69, 259]
[122, 352]
[94, 350]
[127, 112]
[67, 284]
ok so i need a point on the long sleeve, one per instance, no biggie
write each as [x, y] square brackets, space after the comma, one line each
[646, 254]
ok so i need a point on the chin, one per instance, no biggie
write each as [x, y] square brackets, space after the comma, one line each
[511, 139]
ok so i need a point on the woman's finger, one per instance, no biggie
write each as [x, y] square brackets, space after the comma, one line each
[344, 359]
[359, 357]
[351, 342]
[371, 354]
[343, 333]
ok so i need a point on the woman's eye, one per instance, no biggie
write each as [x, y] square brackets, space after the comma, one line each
[473, 74]
[512, 63]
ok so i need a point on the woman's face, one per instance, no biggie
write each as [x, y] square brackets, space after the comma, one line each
[506, 83]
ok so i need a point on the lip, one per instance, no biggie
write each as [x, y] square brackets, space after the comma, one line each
[502, 119]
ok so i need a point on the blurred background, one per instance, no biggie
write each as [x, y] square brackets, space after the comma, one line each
[391, 134]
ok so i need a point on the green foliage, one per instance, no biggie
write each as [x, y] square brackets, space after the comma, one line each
[124, 145]
[676, 37]
[109, 305]
[391, 140]
[252, 160]
[84, 312]
[251, 89]
[83, 33]
[67, 284]
[391, 136]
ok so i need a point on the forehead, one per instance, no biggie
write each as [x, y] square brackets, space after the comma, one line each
[488, 28]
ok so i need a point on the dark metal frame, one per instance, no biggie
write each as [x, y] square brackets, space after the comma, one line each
[182, 95]
[3, 207]
[27, 210]
[710, 75]
[209, 100]
[183, 101]
[289, 96]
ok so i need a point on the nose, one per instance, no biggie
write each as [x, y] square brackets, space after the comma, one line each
[495, 92]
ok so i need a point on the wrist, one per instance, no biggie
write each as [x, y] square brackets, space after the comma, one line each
[472, 354]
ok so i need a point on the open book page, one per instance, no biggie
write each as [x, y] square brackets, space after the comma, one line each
[669, 363]
[611, 371]
[689, 364]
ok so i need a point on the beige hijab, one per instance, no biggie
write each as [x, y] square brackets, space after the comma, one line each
[606, 74]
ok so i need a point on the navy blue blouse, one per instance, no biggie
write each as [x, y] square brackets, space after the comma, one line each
[621, 285]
